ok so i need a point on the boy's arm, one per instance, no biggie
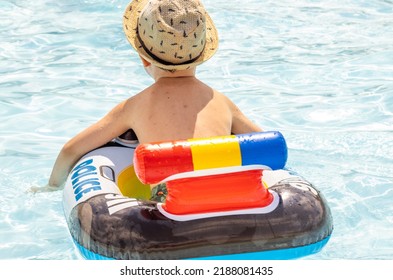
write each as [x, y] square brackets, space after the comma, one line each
[109, 127]
[240, 123]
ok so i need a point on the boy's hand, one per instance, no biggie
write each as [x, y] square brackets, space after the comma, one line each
[47, 188]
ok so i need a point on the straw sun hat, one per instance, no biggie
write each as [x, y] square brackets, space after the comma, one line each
[171, 34]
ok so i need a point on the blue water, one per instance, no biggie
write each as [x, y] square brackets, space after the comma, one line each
[321, 72]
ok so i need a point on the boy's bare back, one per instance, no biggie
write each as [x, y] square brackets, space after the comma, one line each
[180, 108]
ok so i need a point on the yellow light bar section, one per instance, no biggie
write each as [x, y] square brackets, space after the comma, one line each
[215, 152]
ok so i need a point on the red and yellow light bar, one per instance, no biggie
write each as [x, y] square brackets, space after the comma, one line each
[154, 162]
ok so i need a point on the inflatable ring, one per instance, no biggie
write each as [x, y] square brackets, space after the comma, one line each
[228, 198]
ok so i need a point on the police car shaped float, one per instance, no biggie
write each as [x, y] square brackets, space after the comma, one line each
[228, 198]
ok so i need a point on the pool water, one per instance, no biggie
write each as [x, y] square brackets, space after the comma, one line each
[321, 72]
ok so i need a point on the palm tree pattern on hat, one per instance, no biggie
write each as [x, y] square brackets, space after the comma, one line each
[173, 34]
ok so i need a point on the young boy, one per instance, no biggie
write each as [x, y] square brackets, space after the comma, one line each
[172, 37]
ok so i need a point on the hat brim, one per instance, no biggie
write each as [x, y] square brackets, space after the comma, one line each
[130, 26]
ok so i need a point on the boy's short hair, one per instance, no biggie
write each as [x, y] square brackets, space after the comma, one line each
[170, 34]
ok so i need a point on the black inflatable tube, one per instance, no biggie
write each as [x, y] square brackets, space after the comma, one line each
[142, 232]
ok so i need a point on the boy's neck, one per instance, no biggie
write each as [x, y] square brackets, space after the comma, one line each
[158, 73]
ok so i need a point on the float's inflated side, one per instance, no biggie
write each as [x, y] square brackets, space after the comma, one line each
[142, 232]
